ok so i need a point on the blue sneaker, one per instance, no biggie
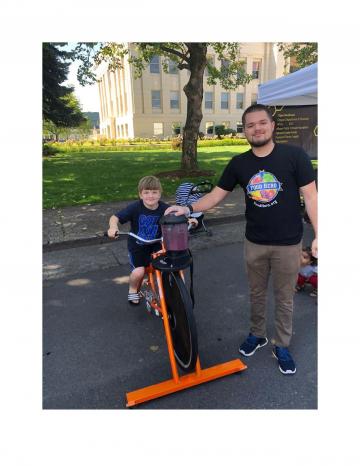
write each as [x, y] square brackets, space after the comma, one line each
[251, 344]
[286, 362]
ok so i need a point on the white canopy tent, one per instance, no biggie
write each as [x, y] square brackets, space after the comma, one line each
[298, 88]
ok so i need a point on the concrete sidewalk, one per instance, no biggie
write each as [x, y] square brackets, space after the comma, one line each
[83, 225]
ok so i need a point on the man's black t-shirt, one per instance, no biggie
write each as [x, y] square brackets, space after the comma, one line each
[144, 222]
[271, 185]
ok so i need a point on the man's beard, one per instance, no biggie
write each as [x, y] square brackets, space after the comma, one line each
[260, 143]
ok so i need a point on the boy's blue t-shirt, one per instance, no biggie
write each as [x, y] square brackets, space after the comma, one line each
[144, 221]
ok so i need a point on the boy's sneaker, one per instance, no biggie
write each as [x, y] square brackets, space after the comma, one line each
[286, 362]
[314, 293]
[251, 344]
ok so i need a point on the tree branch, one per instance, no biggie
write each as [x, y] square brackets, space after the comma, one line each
[164, 48]
[174, 52]
[182, 66]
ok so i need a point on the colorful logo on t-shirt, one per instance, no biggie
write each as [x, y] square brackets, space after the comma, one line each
[148, 226]
[263, 187]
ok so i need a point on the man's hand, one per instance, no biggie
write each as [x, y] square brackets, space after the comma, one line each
[178, 210]
[112, 232]
[314, 248]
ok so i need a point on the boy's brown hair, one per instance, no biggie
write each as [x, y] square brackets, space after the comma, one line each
[149, 182]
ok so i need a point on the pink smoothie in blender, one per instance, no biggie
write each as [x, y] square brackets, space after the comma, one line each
[175, 233]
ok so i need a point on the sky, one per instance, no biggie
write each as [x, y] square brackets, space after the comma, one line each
[87, 95]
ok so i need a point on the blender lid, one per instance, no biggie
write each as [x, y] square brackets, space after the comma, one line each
[172, 219]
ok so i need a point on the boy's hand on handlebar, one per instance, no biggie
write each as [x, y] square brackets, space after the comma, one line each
[112, 232]
[177, 210]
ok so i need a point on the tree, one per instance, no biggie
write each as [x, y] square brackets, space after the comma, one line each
[84, 129]
[74, 119]
[185, 55]
[60, 106]
[305, 53]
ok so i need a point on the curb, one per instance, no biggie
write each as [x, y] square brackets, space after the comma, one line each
[94, 240]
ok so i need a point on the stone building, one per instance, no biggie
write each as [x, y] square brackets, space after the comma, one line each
[155, 104]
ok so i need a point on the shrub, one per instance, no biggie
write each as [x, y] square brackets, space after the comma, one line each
[122, 145]
[223, 142]
[48, 150]
[176, 143]
[230, 131]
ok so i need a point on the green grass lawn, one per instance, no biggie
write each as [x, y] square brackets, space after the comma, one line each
[90, 177]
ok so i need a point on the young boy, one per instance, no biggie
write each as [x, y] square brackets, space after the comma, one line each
[144, 216]
[308, 272]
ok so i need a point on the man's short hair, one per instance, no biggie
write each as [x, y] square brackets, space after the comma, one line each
[149, 182]
[257, 108]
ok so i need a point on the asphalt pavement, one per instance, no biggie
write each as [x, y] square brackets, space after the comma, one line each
[96, 347]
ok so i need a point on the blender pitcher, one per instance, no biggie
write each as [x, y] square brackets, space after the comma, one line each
[175, 234]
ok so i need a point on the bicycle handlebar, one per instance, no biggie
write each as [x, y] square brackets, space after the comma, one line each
[129, 233]
[146, 241]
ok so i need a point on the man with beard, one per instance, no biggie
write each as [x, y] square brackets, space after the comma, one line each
[271, 176]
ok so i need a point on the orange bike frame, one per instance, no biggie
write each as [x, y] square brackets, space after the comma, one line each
[176, 383]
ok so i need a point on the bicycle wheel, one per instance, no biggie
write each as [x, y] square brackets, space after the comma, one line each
[181, 320]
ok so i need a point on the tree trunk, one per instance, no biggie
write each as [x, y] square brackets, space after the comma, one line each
[194, 93]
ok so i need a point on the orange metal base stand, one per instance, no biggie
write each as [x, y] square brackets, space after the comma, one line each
[186, 381]
[179, 383]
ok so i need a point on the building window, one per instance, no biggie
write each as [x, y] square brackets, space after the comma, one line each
[210, 61]
[239, 100]
[173, 69]
[156, 99]
[176, 127]
[256, 69]
[209, 127]
[158, 129]
[155, 64]
[174, 99]
[242, 67]
[239, 127]
[225, 63]
[253, 99]
[209, 100]
[224, 100]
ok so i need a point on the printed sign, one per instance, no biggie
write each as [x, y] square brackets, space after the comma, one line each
[297, 125]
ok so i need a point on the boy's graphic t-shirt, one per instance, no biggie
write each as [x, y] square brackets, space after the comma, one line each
[271, 186]
[144, 221]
